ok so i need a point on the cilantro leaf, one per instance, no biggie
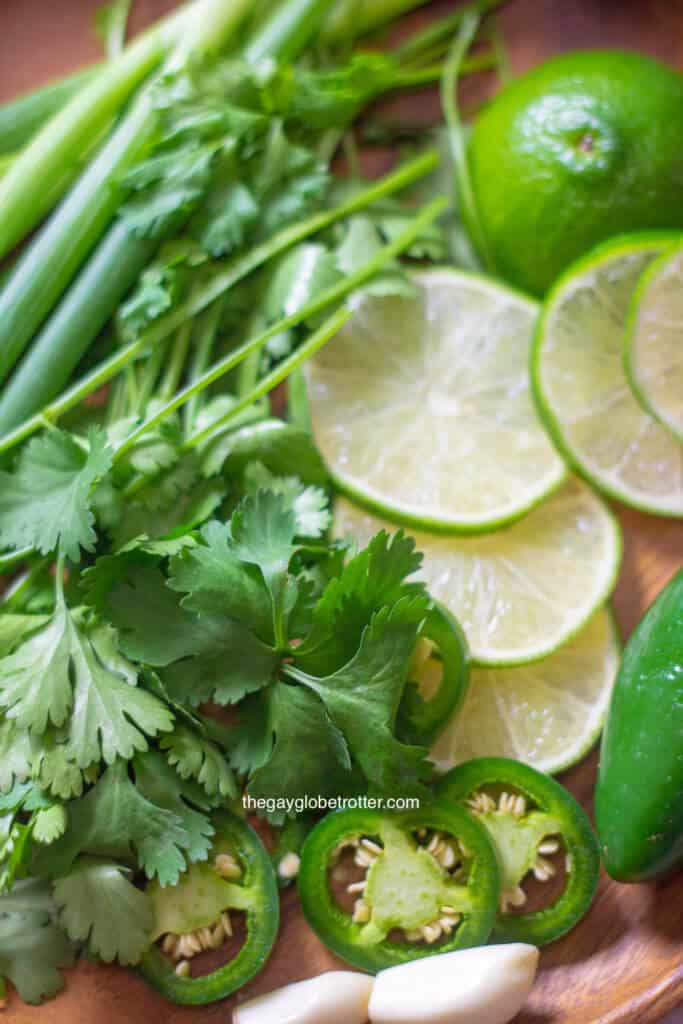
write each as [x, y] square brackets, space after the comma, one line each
[56, 772]
[100, 906]
[35, 685]
[158, 449]
[15, 836]
[65, 672]
[263, 530]
[114, 820]
[309, 753]
[33, 946]
[362, 697]
[308, 504]
[241, 664]
[375, 578]
[45, 503]
[49, 824]
[252, 738]
[154, 627]
[162, 786]
[283, 449]
[111, 713]
[15, 754]
[216, 582]
[15, 628]
[195, 757]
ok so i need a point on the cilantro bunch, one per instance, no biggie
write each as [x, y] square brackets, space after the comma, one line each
[145, 680]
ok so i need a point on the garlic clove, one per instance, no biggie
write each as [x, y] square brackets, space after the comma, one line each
[328, 999]
[485, 985]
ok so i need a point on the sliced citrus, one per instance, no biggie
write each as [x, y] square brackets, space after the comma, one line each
[548, 714]
[582, 388]
[522, 592]
[654, 340]
[422, 405]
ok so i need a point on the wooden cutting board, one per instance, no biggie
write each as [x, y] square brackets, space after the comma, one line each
[624, 963]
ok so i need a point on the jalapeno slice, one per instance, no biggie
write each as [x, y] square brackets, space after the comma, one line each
[424, 882]
[539, 831]
[437, 681]
[194, 916]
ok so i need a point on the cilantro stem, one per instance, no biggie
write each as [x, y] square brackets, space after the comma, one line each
[207, 328]
[176, 364]
[21, 118]
[469, 27]
[336, 293]
[327, 330]
[436, 37]
[221, 283]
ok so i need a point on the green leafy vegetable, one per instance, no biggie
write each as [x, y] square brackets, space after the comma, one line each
[363, 697]
[196, 757]
[309, 753]
[65, 671]
[49, 824]
[100, 906]
[115, 820]
[33, 946]
[45, 503]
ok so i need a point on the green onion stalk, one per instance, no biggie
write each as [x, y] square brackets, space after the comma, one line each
[21, 119]
[64, 137]
[51, 261]
[55, 255]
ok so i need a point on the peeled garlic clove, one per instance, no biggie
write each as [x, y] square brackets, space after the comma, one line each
[486, 985]
[328, 999]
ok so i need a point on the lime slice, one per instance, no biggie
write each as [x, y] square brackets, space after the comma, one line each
[522, 592]
[422, 406]
[654, 340]
[548, 714]
[582, 388]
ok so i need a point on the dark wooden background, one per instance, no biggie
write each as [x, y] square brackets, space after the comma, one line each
[624, 964]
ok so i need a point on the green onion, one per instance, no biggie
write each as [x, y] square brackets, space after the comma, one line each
[20, 119]
[85, 309]
[44, 271]
[53, 258]
[60, 142]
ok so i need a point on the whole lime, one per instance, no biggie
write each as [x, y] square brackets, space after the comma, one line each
[584, 147]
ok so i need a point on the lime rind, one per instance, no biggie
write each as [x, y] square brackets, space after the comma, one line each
[522, 592]
[643, 341]
[422, 408]
[582, 401]
[548, 714]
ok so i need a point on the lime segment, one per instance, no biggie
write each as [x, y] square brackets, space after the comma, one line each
[548, 714]
[582, 387]
[422, 406]
[522, 592]
[654, 340]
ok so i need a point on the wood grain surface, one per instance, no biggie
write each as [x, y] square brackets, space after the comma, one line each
[624, 963]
